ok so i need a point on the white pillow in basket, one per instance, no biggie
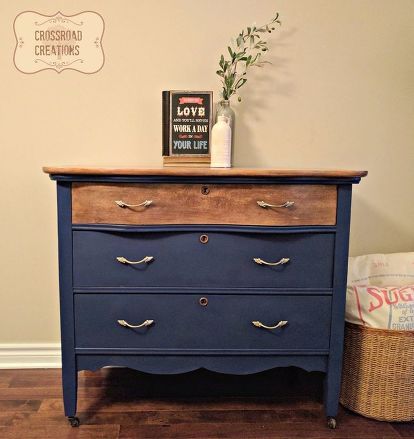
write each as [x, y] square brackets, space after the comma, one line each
[381, 307]
[382, 269]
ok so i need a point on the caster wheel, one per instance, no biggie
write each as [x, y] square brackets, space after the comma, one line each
[332, 423]
[73, 421]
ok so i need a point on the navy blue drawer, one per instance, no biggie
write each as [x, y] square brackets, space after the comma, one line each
[182, 323]
[181, 260]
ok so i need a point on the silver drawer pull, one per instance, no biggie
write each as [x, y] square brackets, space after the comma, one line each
[278, 325]
[142, 325]
[265, 205]
[122, 204]
[144, 260]
[262, 262]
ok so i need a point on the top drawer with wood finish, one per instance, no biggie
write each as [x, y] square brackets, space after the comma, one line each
[229, 204]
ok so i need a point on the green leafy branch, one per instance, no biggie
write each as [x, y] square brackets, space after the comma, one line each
[247, 52]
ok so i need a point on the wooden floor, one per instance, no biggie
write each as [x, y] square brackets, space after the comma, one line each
[121, 403]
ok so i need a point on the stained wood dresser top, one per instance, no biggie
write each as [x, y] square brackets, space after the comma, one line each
[205, 172]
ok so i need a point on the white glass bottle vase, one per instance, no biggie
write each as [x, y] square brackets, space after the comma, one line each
[223, 108]
[221, 143]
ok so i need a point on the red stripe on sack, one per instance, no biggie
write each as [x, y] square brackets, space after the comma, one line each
[359, 305]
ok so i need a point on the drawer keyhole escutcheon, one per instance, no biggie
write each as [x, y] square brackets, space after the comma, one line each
[204, 239]
[203, 301]
[205, 190]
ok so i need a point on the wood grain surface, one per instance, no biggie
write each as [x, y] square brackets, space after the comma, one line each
[94, 203]
[122, 403]
[205, 172]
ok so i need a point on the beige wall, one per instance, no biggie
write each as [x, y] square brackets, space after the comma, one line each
[340, 93]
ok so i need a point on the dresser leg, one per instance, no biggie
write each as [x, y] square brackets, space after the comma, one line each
[69, 369]
[333, 376]
[70, 390]
[332, 385]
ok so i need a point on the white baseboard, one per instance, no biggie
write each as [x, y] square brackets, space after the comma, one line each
[30, 355]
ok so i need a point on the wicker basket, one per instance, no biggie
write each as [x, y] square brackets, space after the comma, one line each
[378, 373]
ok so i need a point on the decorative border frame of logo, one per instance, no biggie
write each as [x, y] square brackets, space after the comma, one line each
[52, 16]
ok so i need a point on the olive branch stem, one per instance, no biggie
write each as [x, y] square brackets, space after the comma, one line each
[247, 51]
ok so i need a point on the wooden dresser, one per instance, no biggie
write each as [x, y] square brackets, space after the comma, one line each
[232, 270]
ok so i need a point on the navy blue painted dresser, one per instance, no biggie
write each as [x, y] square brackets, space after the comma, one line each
[233, 270]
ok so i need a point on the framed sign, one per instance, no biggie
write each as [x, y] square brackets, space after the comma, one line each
[187, 120]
